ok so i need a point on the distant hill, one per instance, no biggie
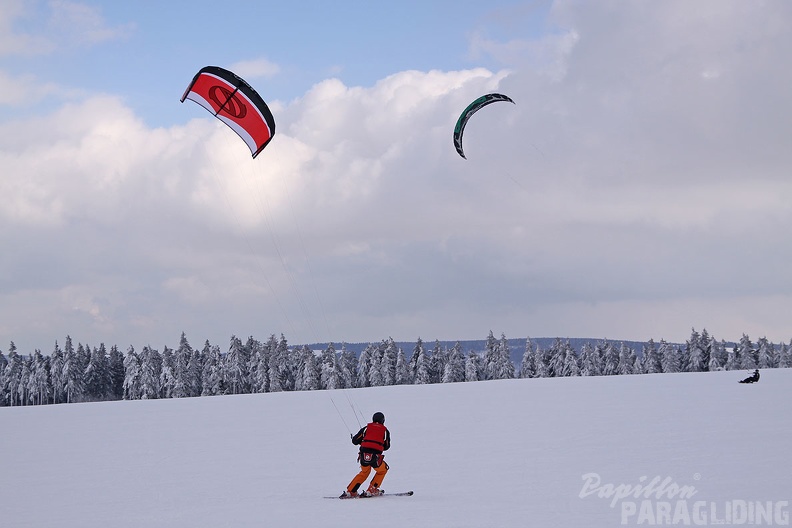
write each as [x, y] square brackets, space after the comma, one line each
[517, 345]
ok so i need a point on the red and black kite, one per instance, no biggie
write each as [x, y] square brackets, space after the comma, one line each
[235, 103]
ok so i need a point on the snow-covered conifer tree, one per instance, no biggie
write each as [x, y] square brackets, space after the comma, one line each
[330, 377]
[748, 359]
[490, 358]
[364, 366]
[132, 389]
[766, 354]
[589, 361]
[375, 367]
[504, 367]
[235, 372]
[310, 375]
[626, 359]
[423, 374]
[785, 355]
[56, 375]
[97, 375]
[610, 359]
[439, 358]
[402, 369]
[418, 351]
[454, 370]
[72, 372]
[695, 354]
[571, 366]
[670, 357]
[212, 373]
[390, 354]
[717, 355]
[150, 370]
[542, 362]
[115, 362]
[528, 365]
[348, 366]
[652, 362]
[473, 367]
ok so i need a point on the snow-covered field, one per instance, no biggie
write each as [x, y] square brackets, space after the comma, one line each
[693, 449]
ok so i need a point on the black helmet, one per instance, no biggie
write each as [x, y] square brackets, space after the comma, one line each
[378, 417]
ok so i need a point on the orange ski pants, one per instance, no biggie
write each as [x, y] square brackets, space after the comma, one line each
[360, 478]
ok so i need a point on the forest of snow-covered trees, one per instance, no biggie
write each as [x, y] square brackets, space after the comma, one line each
[83, 373]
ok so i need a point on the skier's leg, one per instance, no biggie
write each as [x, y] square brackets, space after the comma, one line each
[379, 474]
[359, 479]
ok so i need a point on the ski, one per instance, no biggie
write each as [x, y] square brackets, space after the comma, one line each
[399, 494]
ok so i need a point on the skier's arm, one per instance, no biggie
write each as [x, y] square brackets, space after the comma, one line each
[358, 438]
[386, 445]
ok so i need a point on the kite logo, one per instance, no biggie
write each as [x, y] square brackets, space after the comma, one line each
[229, 103]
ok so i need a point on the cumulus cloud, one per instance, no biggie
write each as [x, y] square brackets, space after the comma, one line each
[640, 182]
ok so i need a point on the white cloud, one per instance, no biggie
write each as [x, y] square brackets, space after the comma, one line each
[255, 68]
[624, 190]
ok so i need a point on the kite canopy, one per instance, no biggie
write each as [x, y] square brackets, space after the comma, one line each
[472, 108]
[234, 102]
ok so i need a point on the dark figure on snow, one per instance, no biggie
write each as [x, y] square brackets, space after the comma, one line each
[373, 439]
[753, 378]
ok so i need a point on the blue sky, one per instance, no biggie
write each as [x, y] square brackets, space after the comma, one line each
[638, 188]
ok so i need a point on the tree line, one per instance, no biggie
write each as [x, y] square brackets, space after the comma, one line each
[82, 373]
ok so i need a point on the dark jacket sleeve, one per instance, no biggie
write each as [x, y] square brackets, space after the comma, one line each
[358, 438]
[386, 446]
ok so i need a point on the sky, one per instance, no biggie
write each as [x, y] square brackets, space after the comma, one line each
[638, 188]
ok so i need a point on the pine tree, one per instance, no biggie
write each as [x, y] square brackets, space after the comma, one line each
[132, 389]
[150, 370]
[116, 374]
[418, 351]
[310, 377]
[259, 367]
[348, 366]
[670, 357]
[766, 354]
[555, 358]
[652, 362]
[785, 355]
[748, 359]
[610, 359]
[423, 374]
[473, 367]
[97, 374]
[212, 373]
[590, 364]
[571, 366]
[375, 367]
[542, 362]
[73, 372]
[454, 370]
[439, 358]
[490, 357]
[528, 365]
[235, 372]
[402, 369]
[626, 359]
[695, 354]
[56, 375]
[718, 356]
[504, 368]
[364, 366]
[733, 359]
[390, 355]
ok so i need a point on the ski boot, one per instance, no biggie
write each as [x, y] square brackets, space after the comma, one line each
[348, 495]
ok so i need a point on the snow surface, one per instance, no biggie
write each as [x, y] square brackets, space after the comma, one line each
[483, 454]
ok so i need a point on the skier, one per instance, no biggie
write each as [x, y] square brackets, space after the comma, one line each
[753, 378]
[373, 439]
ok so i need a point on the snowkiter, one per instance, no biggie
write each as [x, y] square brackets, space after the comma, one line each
[373, 439]
[753, 378]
